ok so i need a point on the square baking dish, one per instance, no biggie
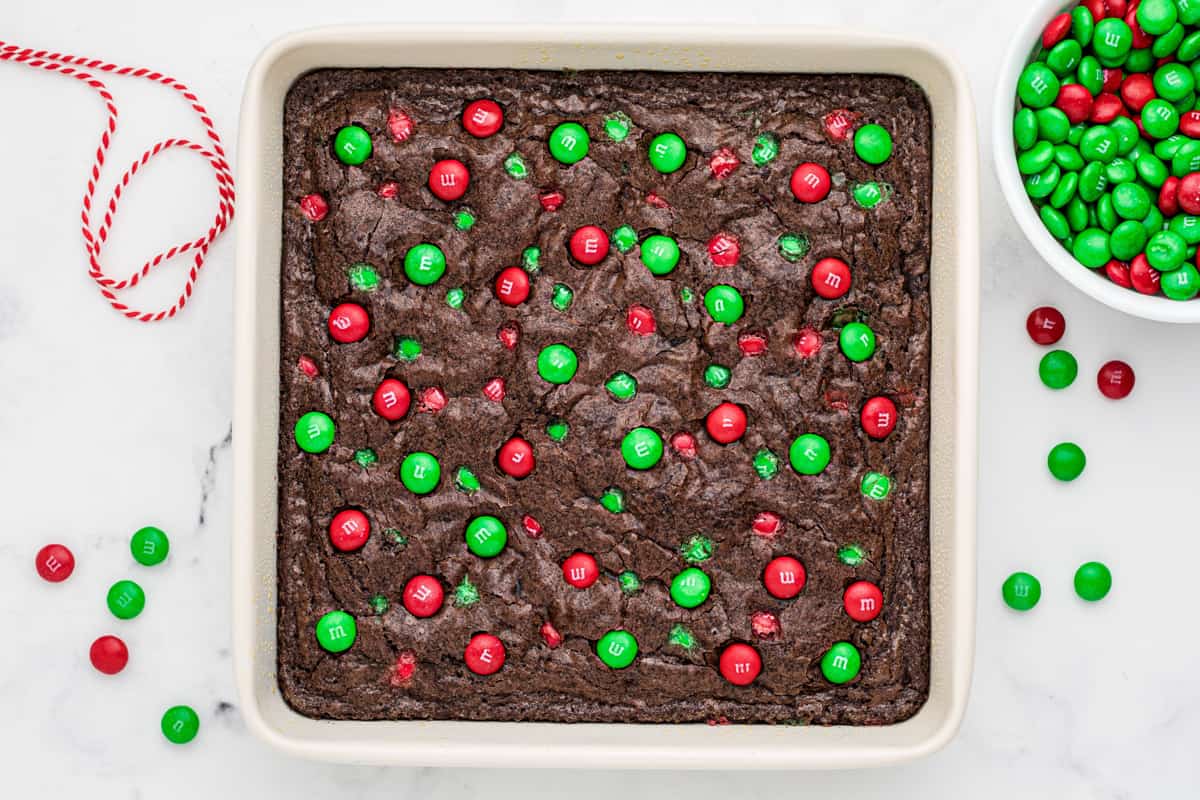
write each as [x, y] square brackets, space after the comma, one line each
[953, 393]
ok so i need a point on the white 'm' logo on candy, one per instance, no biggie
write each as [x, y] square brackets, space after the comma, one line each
[314, 430]
[486, 656]
[389, 399]
[480, 116]
[1039, 84]
[1021, 591]
[341, 323]
[53, 564]
[1112, 39]
[482, 536]
[569, 142]
[741, 668]
[787, 578]
[719, 305]
[518, 457]
[448, 179]
[578, 573]
[642, 449]
[426, 259]
[810, 453]
[812, 180]
[615, 648]
[833, 280]
[661, 148]
[591, 246]
[506, 286]
[866, 604]
[422, 593]
[337, 632]
[350, 526]
[883, 418]
[419, 471]
[841, 662]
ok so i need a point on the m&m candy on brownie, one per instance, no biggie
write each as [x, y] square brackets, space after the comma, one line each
[667, 152]
[423, 595]
[449, 179]
[314, 432]
[810, 183]
[841, 663]
[809, 454]
[391, 399]
[515, 457]
[486, 536]
[831, 278]
[642, 448]
[482, 118]
[617, 649]
[879, 417]
[424, 264]
[740, 664]
[589, 245]
[569, 143]
[784, 577]
[348, 323]
[512, 286]
[863, 601]
[336, 631]
[349, 529]
[352, 144]
[580, 570]
[54, 563]
[556, 363]
[690, 587]
[726, 423]
[420, 472]
[484, 654]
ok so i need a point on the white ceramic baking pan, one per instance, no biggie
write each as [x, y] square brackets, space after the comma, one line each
[955, 287]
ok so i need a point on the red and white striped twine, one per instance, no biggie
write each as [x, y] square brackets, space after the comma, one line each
[95, 238]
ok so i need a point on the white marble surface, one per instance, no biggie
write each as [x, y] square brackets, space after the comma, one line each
[108, 425]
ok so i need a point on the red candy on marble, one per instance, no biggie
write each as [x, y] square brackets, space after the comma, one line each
[494, 390]
[313, 207]
[723, 162]
[810, 183]
[54, 563]
[640, 320]
[349, 323]
[764, 624]
[740, 664]
[533, 528]
[806, 343]
[879, 417]
[831, 278]
[1115, 380]
[1045, 325]
[1075, 101]
[109, 655]
[515, 457]
[839, 123]
[512, 286]
[752, 344]
[724, 250]
[484, 654]
[552, 200]
[423, 595]
[550, 635]
[1056, 30]
[482, 118]
[1145, 278]
[449, 179]
[399, 124]
[580, 570]
[863, 601]
[589, 245]
[726, 423]
[391, 399]
[784, 577]
[509, 334]
[684, 444]
[431, 401]
[1118, 273]
[767, 523]
[349, 530]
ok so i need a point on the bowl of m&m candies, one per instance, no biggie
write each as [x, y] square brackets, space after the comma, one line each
[1097, 145]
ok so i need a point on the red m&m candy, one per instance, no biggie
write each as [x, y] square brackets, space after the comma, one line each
[767, 523]
[1188, 195]
[784, 577]
[878, 417]
[1046, 325]
[348, 323]
[482, 118]
[740, 664]
[810, 183]
[589, 245]
[552, 200]
[1118, 273]
[448, 180]
[349, 529]
[580, 570]
[391, 399]
[494, 390]
[109, 655]
[313, 207]
[724, 249]
[1075, 101]
[752, 344]
[831, 278]
[806, 343]
[485, 654]
[512, 286]
[1056, 30]
[423, 595]
[684, 444]
[1145, 278]
[1115, 380]
[54, 563]
[533, 528]
[550, 635]
[516, 457]
[863, 601]
[640, 320]
[726, 423]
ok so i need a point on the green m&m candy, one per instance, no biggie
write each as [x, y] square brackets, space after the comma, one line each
[660, 254]
[624, 238]
[873, 144]
[1093, 580]
[857, 341]
[180, 724]
[557, 364]
[1025, 129]
[690, 587]
[1038, 86]
[1058, 369]
[809, 454]
[486, 536]
[1156, 17]
[314, 432]
[149, 546]
[352, 145]
[1166, 250]
[1066, 461]
[1182, 283]
[424, 264]
[622, 386]
[617, 649]
[336, 631]
[667, 152]
[1112, 40]
[717, 376]
[126, 599]
[1099, 143]
[841, 663]
[724, 303]
[420, 473]
[569, 143]
[1173, 82]
[1159, 118]
[1021, 591]
[642, 448]
[1092, 248]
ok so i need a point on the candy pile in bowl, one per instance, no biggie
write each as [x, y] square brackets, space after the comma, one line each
[1107, 139]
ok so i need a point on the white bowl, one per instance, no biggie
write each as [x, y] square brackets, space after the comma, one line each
[1091, 282]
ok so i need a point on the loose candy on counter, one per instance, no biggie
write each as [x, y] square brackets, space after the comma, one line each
[1115, 380]
[1093, 581]
[1021, 591]
[1066, 461]
[109, 655]
[180, 724]
[1045, 325]
[54, 563]
[1058, 369]
[125, 599]
[336, 631]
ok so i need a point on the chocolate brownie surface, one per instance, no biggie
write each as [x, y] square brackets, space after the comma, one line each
[716, 494]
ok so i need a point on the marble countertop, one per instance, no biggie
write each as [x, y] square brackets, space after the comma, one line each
[110, 425]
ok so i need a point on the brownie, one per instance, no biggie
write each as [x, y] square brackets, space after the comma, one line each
[694, 508]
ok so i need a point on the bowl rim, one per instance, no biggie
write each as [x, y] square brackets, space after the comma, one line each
[1091, 282]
